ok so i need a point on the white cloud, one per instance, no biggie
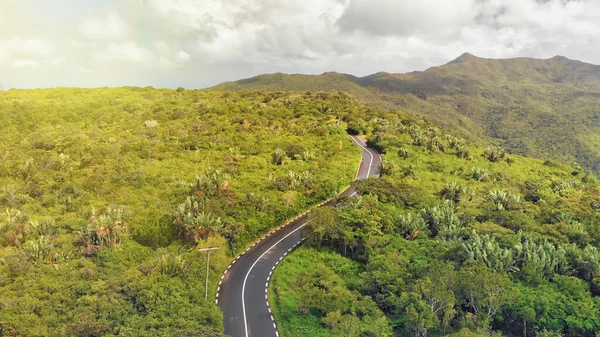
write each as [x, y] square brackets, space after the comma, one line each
[229, 39]
[182, 56]
[130, 54]
[19, 46]
[111, 28]
[405, 18]
[57, 61]
[25, 64]
[127, 52]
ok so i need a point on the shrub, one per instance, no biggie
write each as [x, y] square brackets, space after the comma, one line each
[278, 156]
[479, 174]
[494, 154]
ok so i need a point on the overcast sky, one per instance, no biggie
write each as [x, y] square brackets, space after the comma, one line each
[199, 43]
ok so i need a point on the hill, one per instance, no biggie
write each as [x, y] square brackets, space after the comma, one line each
[542, 108]
[106, 194]
[452, 240]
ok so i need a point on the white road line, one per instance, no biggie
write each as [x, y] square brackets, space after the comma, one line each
[252, 267]
[370, 154]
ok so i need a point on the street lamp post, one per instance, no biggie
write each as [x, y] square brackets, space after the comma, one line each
[207, 262]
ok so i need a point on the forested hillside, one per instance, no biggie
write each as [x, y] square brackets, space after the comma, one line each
[453, 239]
[541, 108]
[105, 194]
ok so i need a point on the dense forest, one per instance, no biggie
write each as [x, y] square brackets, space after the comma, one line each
[105, 195]
[546, 109]
[453, 239]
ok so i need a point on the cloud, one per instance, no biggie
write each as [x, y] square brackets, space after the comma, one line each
[19, 46]
[130, 54]
[406, 18]
[111, 27]
[199, 43]
[25, 64]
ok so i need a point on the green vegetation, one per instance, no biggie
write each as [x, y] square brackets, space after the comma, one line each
[442, 244]
[541, 108]
[106, 193]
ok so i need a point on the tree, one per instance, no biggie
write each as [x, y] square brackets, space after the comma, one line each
[486, 250]
[411, 225]
[437, 289]
[324, 226]
[419, 317]
[441, 219]
[193, 224]
[456, 193]
[482, 290]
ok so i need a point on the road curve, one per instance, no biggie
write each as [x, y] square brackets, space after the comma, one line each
[242, 294]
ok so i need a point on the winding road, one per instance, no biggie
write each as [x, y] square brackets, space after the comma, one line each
[243, 289]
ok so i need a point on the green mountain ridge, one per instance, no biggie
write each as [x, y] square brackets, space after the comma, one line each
[545, 108]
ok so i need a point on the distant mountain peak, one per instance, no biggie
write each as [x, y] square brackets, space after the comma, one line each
[464, 58]
[562, 58]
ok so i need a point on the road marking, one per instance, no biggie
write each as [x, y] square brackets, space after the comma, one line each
[370, 154]
[252, 267]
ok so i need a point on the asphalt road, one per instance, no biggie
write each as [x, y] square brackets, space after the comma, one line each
[243, 289]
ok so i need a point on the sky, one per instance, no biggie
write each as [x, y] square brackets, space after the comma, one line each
[200, 43]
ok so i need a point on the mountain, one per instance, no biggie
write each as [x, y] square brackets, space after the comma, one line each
[542, 108]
